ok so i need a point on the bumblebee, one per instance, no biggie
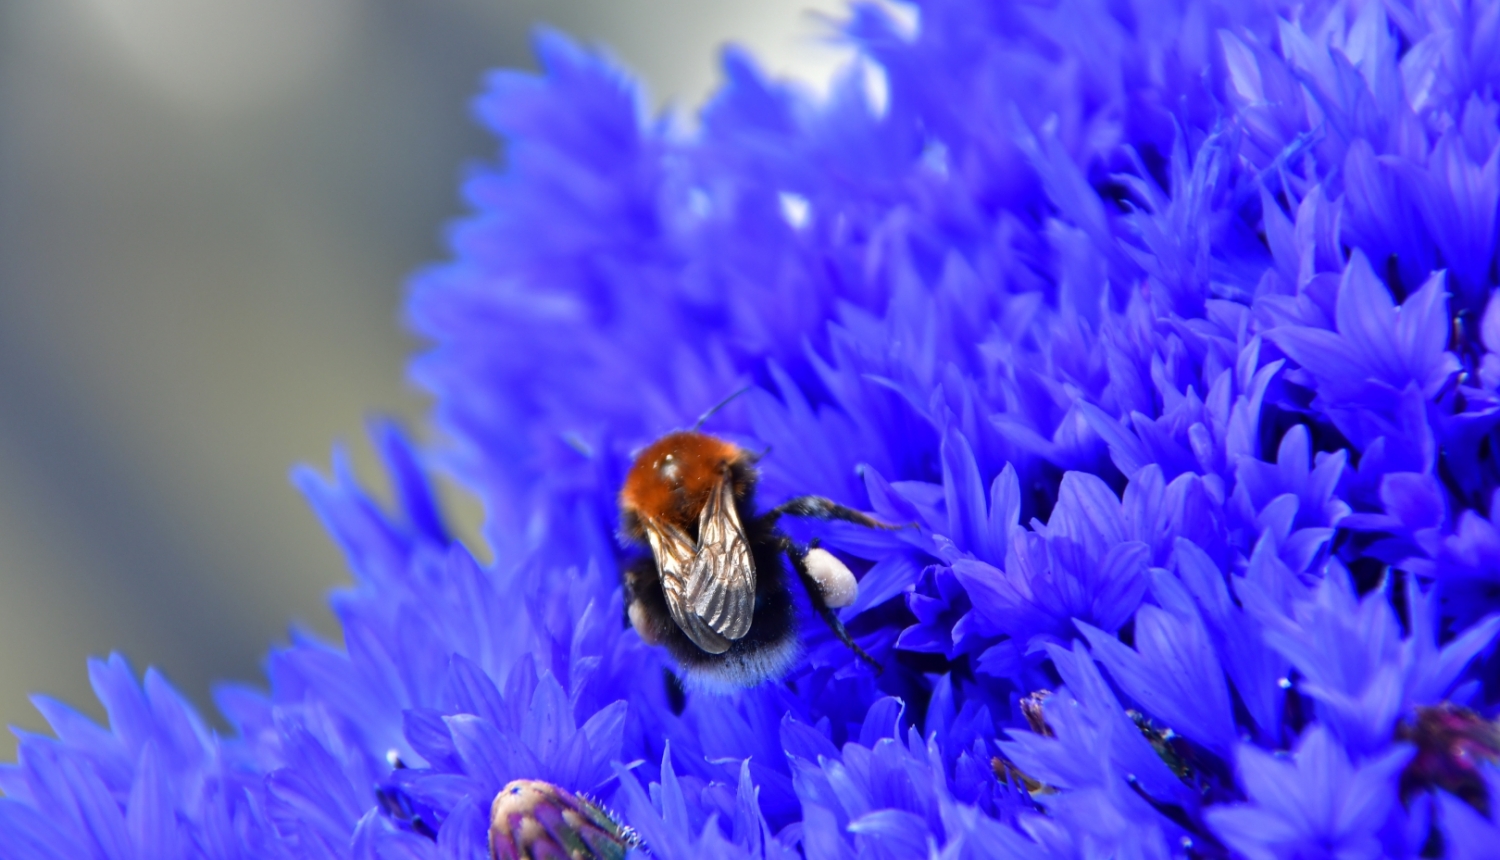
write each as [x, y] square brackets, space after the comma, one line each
[714, 590]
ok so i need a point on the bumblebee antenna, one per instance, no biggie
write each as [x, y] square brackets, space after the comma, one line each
[717, 406]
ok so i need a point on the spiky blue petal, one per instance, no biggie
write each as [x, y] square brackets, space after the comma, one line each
[1165, 330]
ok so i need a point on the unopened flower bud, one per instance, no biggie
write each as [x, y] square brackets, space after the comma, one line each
[535, 820]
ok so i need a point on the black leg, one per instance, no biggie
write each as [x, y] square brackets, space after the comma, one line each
[798, 555]
[819, 508]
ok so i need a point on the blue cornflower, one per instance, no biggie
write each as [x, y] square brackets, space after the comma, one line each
[1356, 664]
[155, 783]
[1164, 331]
[1314, 803]
[1464, 561]
[1079, 567]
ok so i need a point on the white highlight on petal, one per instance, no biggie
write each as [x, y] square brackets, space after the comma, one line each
[794, 208]
[905, 16]
[1244, 69]
[877, 87]
[833, 577]
[698, 202]
[935, 157]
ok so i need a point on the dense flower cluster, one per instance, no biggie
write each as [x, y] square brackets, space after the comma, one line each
[1167, 328]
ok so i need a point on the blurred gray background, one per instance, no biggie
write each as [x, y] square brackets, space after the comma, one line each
[207, 212]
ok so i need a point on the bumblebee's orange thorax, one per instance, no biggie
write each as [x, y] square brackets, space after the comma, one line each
[671, 479]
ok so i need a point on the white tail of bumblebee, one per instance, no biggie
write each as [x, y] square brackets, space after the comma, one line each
[834, 579]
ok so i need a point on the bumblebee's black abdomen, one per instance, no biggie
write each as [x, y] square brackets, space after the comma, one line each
[766, 651]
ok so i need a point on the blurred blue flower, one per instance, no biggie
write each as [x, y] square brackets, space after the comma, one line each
[1167, 332]
[1355, 663]
[1316, 804]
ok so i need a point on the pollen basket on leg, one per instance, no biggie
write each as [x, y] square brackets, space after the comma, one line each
[834, 579]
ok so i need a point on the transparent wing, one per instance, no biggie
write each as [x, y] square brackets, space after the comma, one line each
[721, 579]
[674, 560]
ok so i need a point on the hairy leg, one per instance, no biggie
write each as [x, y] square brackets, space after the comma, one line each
[798, 556]
[819, 508]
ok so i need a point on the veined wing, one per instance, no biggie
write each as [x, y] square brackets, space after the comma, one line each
[721, 580]
[674, 560]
